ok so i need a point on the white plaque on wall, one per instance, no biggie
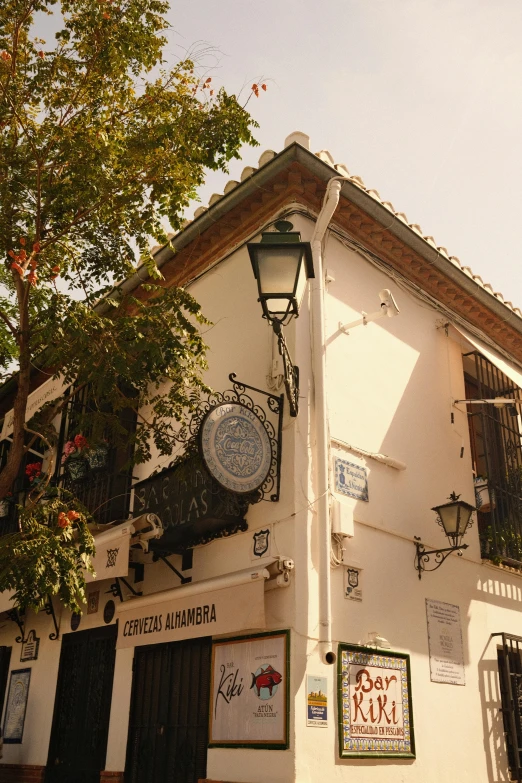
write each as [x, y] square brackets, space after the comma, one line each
[445, 643]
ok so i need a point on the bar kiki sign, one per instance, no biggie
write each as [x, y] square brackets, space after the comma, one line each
[374, 704]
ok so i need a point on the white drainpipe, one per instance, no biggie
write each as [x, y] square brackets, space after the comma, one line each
[330, 203]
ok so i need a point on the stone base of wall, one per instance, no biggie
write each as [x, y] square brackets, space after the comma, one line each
[27, 773]
[21, 773]
[206, 780]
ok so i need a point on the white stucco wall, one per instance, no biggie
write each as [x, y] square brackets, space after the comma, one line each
[390, 386]
[390, 390]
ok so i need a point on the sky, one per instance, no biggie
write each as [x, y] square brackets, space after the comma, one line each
[421, 98]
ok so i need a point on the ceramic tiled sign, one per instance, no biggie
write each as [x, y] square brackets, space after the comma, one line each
[375, 713]
[351, 479]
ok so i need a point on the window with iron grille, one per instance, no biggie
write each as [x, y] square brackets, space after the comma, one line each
[17, 496]
[510, 676]
[495, 438]
[102, 484]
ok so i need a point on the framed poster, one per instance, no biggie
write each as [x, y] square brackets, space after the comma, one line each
[249, 692]
[16, 705]
[375, 714]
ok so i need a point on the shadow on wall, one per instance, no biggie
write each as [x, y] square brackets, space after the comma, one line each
[500, 589]
[493, 725]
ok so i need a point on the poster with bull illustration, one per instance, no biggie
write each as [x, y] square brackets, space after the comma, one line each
[249, 703]
[375, 713]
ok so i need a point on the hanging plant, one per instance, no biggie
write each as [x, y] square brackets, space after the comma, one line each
[97, 455]
[73, 457]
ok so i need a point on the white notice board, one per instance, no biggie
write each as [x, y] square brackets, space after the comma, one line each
[445, 643]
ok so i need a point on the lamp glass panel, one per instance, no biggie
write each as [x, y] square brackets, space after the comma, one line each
[301, 282]
[450, 519]
[465, 514]
[277, 307]
[278, 268]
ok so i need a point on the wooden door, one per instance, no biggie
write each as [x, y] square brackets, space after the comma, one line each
[82, 706]
[168, 728]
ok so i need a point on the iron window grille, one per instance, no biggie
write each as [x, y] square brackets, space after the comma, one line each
[496, 452]
[105, 492]
[510, 677]
[21, 485]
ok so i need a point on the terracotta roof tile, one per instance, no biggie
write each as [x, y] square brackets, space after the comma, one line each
[342, 170]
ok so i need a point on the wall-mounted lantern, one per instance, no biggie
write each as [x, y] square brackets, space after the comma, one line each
[455, 518]
[282, 264]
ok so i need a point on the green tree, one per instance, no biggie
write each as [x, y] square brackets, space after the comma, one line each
[100, 143]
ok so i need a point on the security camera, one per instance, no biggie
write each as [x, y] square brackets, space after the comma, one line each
[388, 307]
[388, 303]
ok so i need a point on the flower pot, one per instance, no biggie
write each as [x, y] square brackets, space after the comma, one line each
[76, 468]
[97, 456]
[483, 499]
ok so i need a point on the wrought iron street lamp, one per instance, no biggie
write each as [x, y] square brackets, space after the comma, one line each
[282, 264]
[455, 518]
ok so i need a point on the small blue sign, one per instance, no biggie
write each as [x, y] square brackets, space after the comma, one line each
[316, 702]
[351, 479]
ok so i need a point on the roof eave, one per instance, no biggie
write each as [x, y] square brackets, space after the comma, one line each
[352, 192]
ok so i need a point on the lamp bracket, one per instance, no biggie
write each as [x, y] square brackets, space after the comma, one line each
[15, 616]
[422, 555]
[49, 610]
[290, 371]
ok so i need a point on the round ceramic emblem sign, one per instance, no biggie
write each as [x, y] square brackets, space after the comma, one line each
[235, 447]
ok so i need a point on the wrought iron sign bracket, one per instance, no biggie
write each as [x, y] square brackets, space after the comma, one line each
[115, 588]
[422, 556]
[276, 404]
[14, 616]
[229, 458]
[238, 394]
[49, 610]
[185, 580]
[290, 371]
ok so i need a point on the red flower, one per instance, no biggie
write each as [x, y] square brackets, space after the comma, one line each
[72, 515]
[33, 470]
[80, 441]
[63, 521]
